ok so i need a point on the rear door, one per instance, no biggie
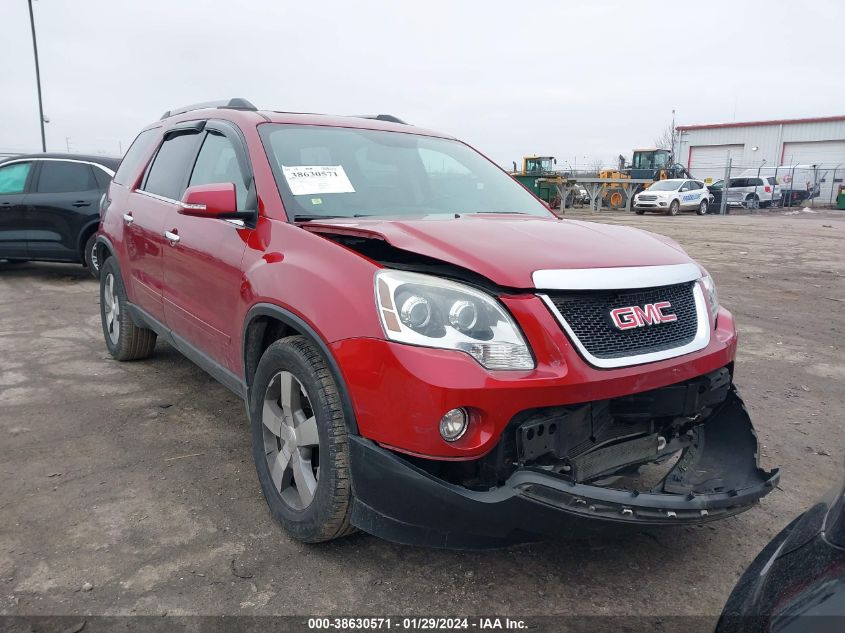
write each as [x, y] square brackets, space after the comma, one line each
[149, 207]
[14, 180]
[694, 194]
[202, 270]
[62, 202]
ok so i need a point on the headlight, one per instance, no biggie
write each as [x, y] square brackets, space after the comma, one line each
[710, 287]
[434, 312]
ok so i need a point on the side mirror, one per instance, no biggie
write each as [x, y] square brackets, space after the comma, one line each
[215, 200]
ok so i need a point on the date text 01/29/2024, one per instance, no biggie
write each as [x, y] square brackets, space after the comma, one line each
[416, 623]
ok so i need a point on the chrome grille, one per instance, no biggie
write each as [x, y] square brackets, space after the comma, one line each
[587, 313]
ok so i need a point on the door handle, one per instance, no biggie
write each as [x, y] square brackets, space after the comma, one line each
[81, 203]
[127, 217]
[172, 236]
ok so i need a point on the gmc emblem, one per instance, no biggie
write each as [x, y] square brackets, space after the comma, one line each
[635, 316]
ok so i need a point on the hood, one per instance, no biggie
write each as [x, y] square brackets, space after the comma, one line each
[508, 249]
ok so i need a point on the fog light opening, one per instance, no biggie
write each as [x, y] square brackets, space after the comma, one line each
[454, 424]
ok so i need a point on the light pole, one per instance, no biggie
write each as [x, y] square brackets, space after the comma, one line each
[37, 79]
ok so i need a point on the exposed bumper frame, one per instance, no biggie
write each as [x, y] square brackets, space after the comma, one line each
[398, 501]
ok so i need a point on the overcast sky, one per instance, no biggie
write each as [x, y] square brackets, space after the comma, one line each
[578, 80]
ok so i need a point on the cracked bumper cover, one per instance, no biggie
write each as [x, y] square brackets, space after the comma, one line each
[398, 501]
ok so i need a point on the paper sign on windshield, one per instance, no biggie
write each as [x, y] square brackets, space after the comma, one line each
[306, 180]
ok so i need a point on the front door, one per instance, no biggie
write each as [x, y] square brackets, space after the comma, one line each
[146, 211]
[202, 265]
[690, 195]
[14, 178]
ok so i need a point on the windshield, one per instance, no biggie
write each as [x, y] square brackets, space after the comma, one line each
[538, 164]
[347, 172]
[665, 185]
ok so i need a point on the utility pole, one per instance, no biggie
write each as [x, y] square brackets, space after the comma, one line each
[37, 78]
[672, 142]
[723, 207]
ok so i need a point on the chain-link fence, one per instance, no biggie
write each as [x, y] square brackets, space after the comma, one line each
[756, 186]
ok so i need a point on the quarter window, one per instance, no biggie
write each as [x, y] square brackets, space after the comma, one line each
[65, 177]
[103, 179]
[134, 156]
[170, 167]
[217, 162]
[13, 177]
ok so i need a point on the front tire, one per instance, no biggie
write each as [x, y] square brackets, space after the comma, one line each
[92, 260]
[639, 211]
[702, 208]
[300, 442]
[674, 207]
[124, 339]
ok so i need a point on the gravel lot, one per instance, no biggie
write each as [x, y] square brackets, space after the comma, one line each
[137, 477]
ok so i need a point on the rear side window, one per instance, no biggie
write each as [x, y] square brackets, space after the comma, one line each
[755, 182]
[217, 162]
[103, 179]
[772, 180]
[137, 152]
[13, 177]
[65, 177]
[169, 170]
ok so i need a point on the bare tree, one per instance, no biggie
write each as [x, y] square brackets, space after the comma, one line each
[595, 165]
[665, 139]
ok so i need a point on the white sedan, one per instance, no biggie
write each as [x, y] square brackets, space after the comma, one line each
[673, 195]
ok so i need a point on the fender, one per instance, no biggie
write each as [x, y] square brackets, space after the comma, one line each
[289, 318]
[80, 243]
[104, 245]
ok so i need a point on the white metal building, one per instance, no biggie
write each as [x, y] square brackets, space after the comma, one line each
[818, 142]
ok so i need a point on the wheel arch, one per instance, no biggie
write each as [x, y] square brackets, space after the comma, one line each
[266, 323]
[87, 231]
[105, 249]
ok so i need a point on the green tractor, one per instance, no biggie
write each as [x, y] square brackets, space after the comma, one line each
[533, 169]
[655, 164]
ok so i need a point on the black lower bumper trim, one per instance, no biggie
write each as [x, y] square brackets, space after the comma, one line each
[398, 501]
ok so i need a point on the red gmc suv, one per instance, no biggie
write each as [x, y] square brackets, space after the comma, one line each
[425, 351]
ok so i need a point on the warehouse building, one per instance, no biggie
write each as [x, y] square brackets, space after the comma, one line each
[818, 144]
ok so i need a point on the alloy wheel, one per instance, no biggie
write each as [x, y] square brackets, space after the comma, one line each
[291, 440]
[95, 261]
[112, 308]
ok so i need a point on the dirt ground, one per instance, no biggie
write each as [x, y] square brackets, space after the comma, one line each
[137, 477]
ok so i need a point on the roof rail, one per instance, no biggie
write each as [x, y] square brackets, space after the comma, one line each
[233, 104]
[381, 117]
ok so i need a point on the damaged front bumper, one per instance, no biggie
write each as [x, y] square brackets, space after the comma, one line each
[570, 487]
